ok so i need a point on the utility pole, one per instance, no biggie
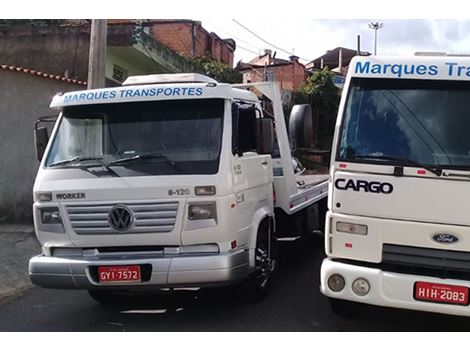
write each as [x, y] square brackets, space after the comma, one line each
[375, 26]
[97, 55]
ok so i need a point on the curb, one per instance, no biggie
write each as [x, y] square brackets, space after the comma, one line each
[18, 244]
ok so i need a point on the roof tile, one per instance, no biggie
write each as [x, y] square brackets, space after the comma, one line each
[42, 74]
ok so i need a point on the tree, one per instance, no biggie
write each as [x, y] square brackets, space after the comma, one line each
[218, 70]
[320, 92]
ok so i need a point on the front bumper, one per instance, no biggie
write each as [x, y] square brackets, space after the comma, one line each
[387, 289]
[164, 271]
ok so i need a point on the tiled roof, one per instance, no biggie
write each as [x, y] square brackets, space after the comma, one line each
[41, 74]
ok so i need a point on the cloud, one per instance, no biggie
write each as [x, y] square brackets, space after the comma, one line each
[312, 38]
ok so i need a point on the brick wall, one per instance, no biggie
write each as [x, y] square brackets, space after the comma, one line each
[290, 76]
[178, 37]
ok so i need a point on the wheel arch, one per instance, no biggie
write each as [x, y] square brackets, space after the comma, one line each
[262, 214]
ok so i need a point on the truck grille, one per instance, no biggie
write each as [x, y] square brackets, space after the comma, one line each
[426, 261]
[92, 219]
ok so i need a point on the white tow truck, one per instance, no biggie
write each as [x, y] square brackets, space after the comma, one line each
[168, 181]
[398, 226]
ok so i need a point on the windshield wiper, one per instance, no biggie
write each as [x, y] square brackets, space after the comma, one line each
[147, 156]
[436, 170]
[85, 158]
[78, 159]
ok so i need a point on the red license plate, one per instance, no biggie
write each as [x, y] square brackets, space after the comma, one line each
[117, 274]
[450, 294]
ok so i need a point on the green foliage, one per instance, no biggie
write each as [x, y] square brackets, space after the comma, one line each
[320, 92]
[218, 70]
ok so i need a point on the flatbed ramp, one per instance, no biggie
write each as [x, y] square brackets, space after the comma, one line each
[310, 189]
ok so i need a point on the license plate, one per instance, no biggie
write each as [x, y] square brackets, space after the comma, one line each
[441, 293]
[118, 274]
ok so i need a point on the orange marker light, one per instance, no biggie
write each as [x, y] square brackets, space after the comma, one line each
[233, 244]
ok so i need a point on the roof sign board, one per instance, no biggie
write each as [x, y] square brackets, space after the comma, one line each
[419, 67]
[149, 93]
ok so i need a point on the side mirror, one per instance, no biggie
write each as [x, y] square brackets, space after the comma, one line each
[300, 126]
[264, 135]
[41, 138]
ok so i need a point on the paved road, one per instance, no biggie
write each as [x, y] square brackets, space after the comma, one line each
[295, 304]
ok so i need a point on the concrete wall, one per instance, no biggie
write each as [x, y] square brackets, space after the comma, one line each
[50, 49]
[23, 98]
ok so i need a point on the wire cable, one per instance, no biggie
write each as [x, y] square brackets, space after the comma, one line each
[265, 41]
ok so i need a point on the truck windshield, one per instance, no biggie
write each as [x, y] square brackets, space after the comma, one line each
[166, 137]
[424, 121]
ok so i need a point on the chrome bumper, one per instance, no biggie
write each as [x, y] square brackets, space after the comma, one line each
[182, 270]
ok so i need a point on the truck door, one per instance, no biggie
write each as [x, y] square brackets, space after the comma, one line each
[251, 172]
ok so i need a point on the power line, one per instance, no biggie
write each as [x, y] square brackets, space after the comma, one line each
[246, 49]
[265, 41]
[232, 36]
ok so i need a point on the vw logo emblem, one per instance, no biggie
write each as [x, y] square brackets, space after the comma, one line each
[445, 238]
[120, 218]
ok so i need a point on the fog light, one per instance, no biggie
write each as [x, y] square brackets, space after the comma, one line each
[336, 282]
[361, 287]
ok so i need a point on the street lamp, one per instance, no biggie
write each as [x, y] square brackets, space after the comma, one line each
[375, 26]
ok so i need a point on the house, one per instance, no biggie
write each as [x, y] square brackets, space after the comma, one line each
[190, 39]
[337, 60]
[290, 74]
[63, 50]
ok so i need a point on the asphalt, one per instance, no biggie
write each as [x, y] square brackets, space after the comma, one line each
[294, 304]
[18, 244]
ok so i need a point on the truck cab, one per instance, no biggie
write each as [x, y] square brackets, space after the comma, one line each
[164, 182]
[397, 230]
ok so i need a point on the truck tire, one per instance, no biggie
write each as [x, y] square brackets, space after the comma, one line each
[345, 308]
[256, 286]
[103, 296]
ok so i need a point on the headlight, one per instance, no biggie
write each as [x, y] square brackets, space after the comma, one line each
[50, 215]
[199, 211]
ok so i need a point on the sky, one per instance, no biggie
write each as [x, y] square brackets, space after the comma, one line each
[311, 38]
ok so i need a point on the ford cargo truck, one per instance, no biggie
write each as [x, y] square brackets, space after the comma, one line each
[398, 226]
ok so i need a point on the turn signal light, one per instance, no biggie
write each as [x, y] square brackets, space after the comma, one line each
[348, 227]
[204, 190]
[43, 196]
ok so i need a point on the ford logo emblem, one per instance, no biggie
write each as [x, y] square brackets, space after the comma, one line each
[445, 238]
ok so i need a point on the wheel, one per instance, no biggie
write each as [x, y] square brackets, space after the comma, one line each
[345, 308]
[103, 296]
[256, 286]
